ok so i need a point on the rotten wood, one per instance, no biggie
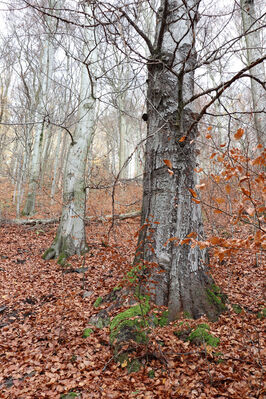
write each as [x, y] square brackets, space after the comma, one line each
[31, 222]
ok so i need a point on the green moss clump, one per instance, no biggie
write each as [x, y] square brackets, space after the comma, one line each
[262, 314]
[216, 297]
[87, 332]
[236, 308]
[201, 334]
[117, 288]
[160, 320]
[134, 366]
[151, 374]
[218, 356]
[133, 328]
[48, 254]
[69, 395]
[188, 315]
[61, 260]
[98, 302]
[205, 326]
[163, 320]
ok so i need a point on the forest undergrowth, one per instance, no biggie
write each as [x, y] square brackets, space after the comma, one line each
[44, 310]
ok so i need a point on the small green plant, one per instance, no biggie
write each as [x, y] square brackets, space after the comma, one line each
[218, 357]
[237, 308]
[87, 332]
[151, 374]
[69, 395]
[187, 315]
[98, 302]
[262, 314]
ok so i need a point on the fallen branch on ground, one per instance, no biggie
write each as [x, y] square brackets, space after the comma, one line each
[31, 222]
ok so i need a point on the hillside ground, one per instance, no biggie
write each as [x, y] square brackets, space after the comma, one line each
[45, 308]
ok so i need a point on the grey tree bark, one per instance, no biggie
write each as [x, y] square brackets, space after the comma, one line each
[257, 74]
[169, 213]
[46, 68]
[71, 238]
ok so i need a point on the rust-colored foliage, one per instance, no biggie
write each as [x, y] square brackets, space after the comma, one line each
[45, 308]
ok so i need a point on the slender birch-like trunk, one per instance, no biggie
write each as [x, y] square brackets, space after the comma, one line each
[70, 238]
[46, 65]
[169, 213]
[253, 46]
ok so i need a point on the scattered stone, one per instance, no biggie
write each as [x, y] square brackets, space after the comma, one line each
[87, 294]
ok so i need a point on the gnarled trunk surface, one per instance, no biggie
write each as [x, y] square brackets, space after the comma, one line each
[168, 213]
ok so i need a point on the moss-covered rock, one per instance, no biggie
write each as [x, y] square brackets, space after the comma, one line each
[100, 320]
[130, 324]
[201, 335]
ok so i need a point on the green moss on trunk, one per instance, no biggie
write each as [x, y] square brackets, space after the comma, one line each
[216, 297]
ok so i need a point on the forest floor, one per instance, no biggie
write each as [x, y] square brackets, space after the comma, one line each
[44, 309]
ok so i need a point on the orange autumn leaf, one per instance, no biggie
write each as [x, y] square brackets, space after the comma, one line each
[193, 192]
[217, 211]
[228, 188]
[170, 172]
[215, 240]
[182, 139]
[220, 200]
[168, 163]
[208, 136]
[239, 134]
[193, 234]
[197, 201]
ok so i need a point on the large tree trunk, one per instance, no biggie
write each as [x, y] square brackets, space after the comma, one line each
[253, 48]
[70, 238]
[169, 213]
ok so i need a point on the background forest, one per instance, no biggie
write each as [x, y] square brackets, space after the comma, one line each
[132, 199]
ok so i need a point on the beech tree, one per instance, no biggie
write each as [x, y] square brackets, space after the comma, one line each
[70, 238]
[254, 47]
[46, 68]
[170, 212]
